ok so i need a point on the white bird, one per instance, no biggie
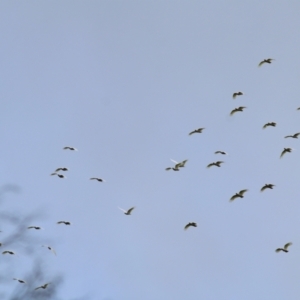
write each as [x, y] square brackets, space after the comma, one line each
[127, 212]
[50, 248]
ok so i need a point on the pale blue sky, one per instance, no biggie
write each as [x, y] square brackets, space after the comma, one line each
[125, 82]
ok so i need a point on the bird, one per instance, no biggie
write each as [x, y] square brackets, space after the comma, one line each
[34, 227]
[43, 286]
[59, 175]
[64, 222]
[177, 165]
[266, 60]
[269, 124]
[217, 164]
[285, 150]
[237, 94]
[70, 148]
[20, 280]
[240, 194]
[294, 136]
[237, 109]
[284, 249]
[199, 130]
[50, 248]
[298, 108]
[190, 224]
[267, 186]
[96, 178]
[127, 212]
[8, 252]
[61, 169]
[221, 152]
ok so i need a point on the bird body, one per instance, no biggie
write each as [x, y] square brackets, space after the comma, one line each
[284, 249]
[267, 186]
[127, 212]
[266, 60]
[217, 164]
[193, 224]
[237, 109]
[50, 248]
[237, 94]
[199, 130]
[269, 124]
[240, 194]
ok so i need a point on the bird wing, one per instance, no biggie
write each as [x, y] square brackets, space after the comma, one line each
[278, 250]
[296, 134]
[38, 288]
[174, 161]
[187, 226]
[210, 165]
[130, 210]
[261, 63]
[233, 197]
[169, 168]
[233, 111]
[266, 125]
[287, 245]
[282, 153]
[182, 164]
[125, 211]
[234, 95]
[192, 132]
[288, 136]
[242, 192]
[263, 188]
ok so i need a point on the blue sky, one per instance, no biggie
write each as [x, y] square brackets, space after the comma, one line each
[125, 82]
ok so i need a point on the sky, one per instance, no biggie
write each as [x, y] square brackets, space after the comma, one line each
[125, 82]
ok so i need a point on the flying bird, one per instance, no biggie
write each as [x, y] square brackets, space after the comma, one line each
[64, 222]
[61, 169]
[127, 212]
[8, 252]
[59, 175]
[285, 150]
[269, 124]
[177, 165]
[98, 179]
[267, 60]
[50, 248]
[217, 164]
[43, 286]
[199, 130]
[284, 249]
[20, 280]
[294, 136]
[34, 227]
[189, 225]
[221, 152]
[298, 108]
[240, 194]
[70, 148]
[237, 109]
[267, 186]
[237, 94]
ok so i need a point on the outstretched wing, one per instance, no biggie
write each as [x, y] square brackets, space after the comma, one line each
[125, 211]
[234, 197]
[130, 210]
[242, 192]
[287, 245]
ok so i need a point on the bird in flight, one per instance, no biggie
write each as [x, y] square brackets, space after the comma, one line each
[269, 124]
[177, 165]
[285, 150]
[298, 108]
[267, 186]
[98, 179]
[237, 109]
[43, 286]
[70, 148]
[267, 60]
[64, 222]
[59, 175]
[34, 227]
[199, 130]
[237, 94]
[189, 225]
[240, 194]
[127, 212]
[217, 164]
[294, 136]
[61, 169]
[50, 248]
[285, 248]
[20, 280]
[8, 252]
[221, 152]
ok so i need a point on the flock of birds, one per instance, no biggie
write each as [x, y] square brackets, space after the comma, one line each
[177, 166]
